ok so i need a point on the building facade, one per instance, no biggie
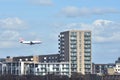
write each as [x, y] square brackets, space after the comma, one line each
[117, 67]
[49, 58]
[39, 58]
[111, 69]
[26, 58]
[102, 68]
[75, 47]
[2, 60]
[32, 68]
[61, 68]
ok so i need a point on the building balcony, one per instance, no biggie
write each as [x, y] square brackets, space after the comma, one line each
[87, 47]
[87, 51]
[87, 43]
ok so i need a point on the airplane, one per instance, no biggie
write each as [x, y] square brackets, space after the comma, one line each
[30, 42]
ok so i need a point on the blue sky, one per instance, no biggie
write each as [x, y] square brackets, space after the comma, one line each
[45, 19]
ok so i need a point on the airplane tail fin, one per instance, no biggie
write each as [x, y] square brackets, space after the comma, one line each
[21, 40]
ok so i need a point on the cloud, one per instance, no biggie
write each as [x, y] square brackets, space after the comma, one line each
[72, 11]
[42, 2]
[8, 38]
[9, 35]
[8, 44]
[101, 22]
[102, 30]
[12, 23]
[113, 38]
[9, 31]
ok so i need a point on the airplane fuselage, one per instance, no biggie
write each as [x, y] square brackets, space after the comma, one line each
[31, 42]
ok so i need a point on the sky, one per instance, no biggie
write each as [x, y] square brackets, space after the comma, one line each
[45, 19]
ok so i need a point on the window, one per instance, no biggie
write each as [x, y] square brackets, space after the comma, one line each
[20, 59]
[49, 57]
[87, 50]
[87, 58]
[87, 54]
[74, 50]
[87, 45]
[73, 38]
[62, 35]
[73, 58]
[73, 54]
[87, 33]
[26, 59]
[80, 69]
[87, 66]
[73, 33]
[45, 58]
[31, 59]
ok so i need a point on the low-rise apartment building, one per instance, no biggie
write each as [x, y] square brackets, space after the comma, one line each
[101, 68]
[117, 67]
[27, 67]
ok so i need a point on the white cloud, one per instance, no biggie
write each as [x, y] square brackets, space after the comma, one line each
[42, 2]
[9, 31]
[114, 50]
[8, 39]
[102, 30]
[9, 35]
[101, 22]
[72, 11]
[12, 23]
[7, 44]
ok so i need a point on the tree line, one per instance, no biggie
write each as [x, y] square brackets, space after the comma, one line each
[74, 76]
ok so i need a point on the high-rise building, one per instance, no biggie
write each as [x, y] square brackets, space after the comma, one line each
[75, 48]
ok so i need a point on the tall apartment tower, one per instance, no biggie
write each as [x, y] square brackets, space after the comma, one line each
[75, 48]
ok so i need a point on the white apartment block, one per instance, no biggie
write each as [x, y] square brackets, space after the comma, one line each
[61, 68]
[26, 67]
[117, 67]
